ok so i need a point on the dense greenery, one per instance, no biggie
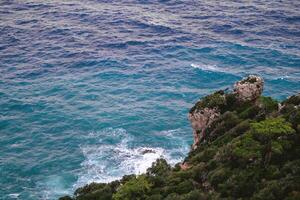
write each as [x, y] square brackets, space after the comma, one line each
[215, 100]
[251, 152]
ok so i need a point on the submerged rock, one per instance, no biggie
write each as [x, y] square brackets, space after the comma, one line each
[148, 151]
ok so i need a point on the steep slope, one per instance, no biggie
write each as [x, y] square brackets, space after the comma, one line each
[246, 146]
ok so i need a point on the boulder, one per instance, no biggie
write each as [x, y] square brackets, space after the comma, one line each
[249, 88]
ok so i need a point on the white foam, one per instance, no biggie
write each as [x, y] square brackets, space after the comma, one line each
[54, 186]
[105, 163]
[14, 195]
[204, 67]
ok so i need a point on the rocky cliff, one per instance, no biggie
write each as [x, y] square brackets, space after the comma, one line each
[208, 109]
[246, 146]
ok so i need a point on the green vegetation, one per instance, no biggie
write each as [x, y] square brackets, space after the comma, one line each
[251, 152]
[215, 100]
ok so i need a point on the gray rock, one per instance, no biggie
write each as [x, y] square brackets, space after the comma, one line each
[249, 89]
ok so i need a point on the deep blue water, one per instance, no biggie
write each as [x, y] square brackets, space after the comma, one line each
[87, 86]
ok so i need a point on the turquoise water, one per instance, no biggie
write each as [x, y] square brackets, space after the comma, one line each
[85, 88]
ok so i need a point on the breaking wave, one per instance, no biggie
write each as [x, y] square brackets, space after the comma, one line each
[107, 162]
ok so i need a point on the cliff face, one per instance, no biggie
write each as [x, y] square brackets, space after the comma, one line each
[208, 109]
[246, 146]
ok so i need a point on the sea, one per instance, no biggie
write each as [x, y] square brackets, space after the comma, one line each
[91, 90]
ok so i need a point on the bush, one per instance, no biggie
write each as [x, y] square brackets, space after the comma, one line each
[134, 189]
[194, 195]
[268, 104]
[272, 190]
[127, 178]
[251, 112]
[241, 128]
[215, 100]
[231, 101]
[173, 196]
[159, 168]
[205, 155]
[245, 149]
[242, 183]
[294, 100]
[184, 187]
[218, 176]
[225, 122]
[89, 188]
[272, 134]
[271, 129]
[155, 197]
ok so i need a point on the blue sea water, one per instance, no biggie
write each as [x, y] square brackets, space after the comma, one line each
[87, 86]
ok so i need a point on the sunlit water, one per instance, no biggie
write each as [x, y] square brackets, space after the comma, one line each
[87, 87]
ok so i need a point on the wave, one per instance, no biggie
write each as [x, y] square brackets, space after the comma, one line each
[269, 73]
[204, 67]
[107, 162]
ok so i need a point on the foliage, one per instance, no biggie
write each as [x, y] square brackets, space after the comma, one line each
[245, 149]
[215, 100]
[134, 189]
[159, 168]
[294, 100]
[268, 104]
[271, 129]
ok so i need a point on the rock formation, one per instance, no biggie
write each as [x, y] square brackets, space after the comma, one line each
[249, 88]
[200, 120]
[208, 109]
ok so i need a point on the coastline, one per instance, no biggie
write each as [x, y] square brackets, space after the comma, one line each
[245, 146]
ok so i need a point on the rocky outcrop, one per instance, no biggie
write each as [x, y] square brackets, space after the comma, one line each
[200, 120]
[208, 109]
[249, 89]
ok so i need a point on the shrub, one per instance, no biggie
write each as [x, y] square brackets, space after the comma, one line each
[173, 196]
[155, 197]
[295, 100]
[159, 168]
[251, 112]
[185, 187]
[215, 100]
[272, 172]
[245, 149]
[225, 122]
[271, 190]
[272, 133]
[218, 176]
[294, 118]
[241, 128]
[268, 104]
[204, 155]
[231, 101]
[242, 183]
[271, 129]
[127, 178]
[89, 188]
[194, 195]
[134, 189]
